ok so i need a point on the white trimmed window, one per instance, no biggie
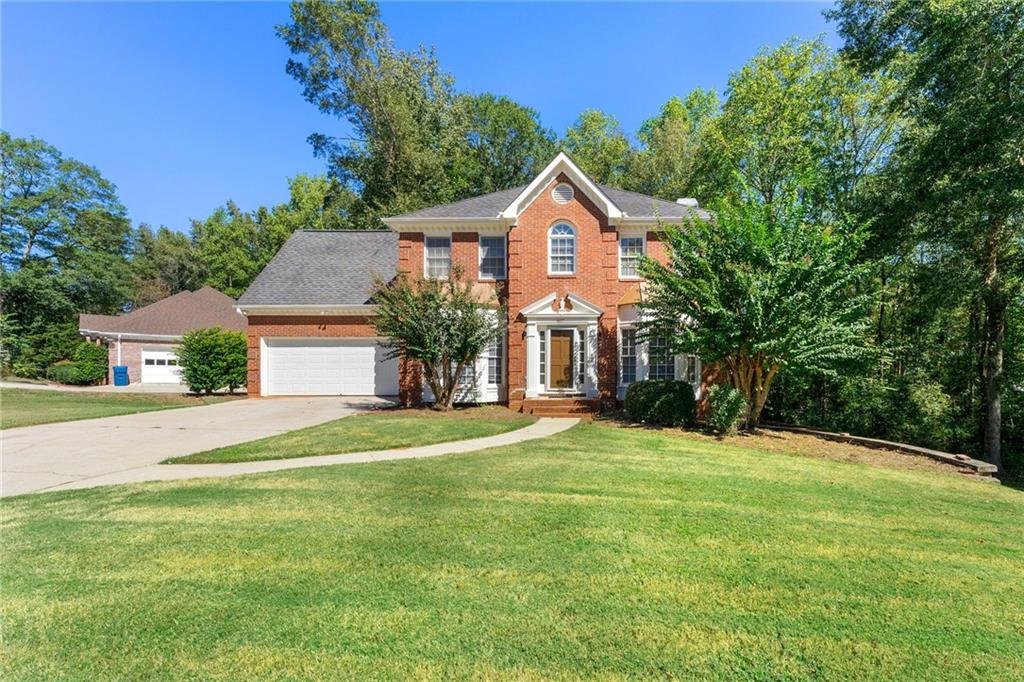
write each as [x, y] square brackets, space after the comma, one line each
[662, 364]
[492, 257]
[495, 351]
[467, 377]
[631, 250]
[627, 355]
[438, 257]
[562, 249]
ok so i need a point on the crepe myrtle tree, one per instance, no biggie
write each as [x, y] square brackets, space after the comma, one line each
[758, 292]
[440, 323]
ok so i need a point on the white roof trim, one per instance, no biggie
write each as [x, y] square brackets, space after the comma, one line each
[256, 309]
[494, 225]
[126, 336]
[562, 164]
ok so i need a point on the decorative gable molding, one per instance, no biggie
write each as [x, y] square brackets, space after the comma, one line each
[562, 164]
[565, 308]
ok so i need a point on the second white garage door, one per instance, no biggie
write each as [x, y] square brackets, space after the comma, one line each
[328, 367]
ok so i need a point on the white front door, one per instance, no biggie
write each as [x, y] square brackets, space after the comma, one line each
[328, 367]
[160, 367]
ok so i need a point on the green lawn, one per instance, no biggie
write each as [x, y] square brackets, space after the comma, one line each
[600, 552]
[374, 431]
[27, 407]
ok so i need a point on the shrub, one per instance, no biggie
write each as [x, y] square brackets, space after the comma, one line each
[63, 372]
[91, 363]
[726, 408]
[668, 403]
[88, 367]
[212, 358]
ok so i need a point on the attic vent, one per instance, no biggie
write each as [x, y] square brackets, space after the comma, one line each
[562, 193]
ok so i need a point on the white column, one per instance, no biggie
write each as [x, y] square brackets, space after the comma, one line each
[590, 383]
[532, 360]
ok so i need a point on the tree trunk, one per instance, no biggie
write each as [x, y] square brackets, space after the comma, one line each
[996, 323]
[995, 331]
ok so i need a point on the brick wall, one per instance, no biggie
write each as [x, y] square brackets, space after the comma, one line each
[131, 356]
[596, 279]
[281, 326]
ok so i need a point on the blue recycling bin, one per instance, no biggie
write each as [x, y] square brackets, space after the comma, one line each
[120, 375]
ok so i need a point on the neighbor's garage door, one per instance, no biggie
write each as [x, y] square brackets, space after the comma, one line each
[160, 367]
[329, 367]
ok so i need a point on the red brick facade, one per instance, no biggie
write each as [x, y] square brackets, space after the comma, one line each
[595, 281]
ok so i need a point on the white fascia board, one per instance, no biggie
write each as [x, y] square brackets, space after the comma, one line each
[428, 225]
[562, 164]
[307, 309]
[113, 336]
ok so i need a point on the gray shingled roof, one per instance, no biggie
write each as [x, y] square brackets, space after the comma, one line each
[317, 267]
[633, 204]
[483, 206]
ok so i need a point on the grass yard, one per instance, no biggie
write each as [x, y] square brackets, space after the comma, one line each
[28, 407]
[600, 552]
[383, 430]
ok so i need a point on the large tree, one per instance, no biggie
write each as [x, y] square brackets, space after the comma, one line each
[797, 120]
[508, 145]
[760, 290]
[598, 145]
[406, 139]
[64, 239]
[957, 178]
[671, 144]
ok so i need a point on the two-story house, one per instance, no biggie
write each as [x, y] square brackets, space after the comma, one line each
[561, 253]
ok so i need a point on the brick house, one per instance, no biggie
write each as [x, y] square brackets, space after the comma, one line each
[145, 339]
[561, 253]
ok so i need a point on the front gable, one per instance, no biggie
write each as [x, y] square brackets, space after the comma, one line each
[561, 167]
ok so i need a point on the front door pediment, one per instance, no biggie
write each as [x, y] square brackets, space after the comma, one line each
[568, 307]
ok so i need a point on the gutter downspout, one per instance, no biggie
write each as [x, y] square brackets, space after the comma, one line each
[119, 349]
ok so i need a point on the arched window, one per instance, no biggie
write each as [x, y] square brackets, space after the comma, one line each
[562, 249]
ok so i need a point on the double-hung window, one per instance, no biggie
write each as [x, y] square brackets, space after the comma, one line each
[562, 250]
[492, 257]
[627, 355]
[494, 361]
[631, 250]
[661, 365]
[438, 257]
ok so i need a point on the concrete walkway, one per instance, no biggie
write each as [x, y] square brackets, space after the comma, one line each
[36, 458]
[542, 428]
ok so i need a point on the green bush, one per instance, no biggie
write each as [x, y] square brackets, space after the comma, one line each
[668, 403]
[63, 372]
[212, 359]
[727, 408]
[89, 366]
[91, 363]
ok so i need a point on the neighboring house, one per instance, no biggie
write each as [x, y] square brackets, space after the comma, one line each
[144, 340]
[561, 253]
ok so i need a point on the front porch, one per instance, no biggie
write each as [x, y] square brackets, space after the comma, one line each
[561, 347]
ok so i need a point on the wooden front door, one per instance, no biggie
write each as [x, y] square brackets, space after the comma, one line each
[560, 362]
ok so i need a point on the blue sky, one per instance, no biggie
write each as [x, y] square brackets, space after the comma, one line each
[186, 105]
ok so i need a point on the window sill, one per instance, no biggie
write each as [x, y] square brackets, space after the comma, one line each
[561, 275]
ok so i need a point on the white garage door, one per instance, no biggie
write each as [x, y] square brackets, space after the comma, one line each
[160, 367]
[328, 367]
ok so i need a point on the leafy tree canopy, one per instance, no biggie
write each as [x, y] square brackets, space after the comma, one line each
[598, 145]
[760, 291]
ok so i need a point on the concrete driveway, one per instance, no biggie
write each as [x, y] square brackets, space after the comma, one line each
[36, 458]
